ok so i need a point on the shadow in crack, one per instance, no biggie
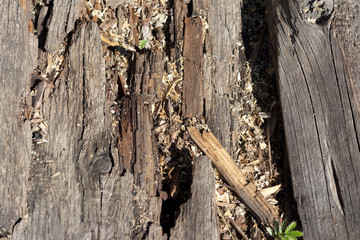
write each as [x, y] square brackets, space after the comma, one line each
[262, 71]
[176, 187]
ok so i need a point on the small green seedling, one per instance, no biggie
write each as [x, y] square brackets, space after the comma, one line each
[283, 232]
[142, 44]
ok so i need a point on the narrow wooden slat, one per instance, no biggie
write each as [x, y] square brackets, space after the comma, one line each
[246, 191]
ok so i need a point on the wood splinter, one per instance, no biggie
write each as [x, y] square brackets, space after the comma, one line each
[246, 191]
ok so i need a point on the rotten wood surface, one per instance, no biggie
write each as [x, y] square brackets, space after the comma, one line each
[245, 189]
[85, 181]
[193, 55]
[76, 184]
[317, 56]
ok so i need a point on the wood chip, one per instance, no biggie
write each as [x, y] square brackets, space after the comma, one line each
[270, 190]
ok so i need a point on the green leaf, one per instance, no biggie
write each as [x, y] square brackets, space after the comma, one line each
[282, 226]
[282, 237]
[270, 231]
[276, 228]
[294, 234]
[290, 227]
[142, 44]
[289, 237]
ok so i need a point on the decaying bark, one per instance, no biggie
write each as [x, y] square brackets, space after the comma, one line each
[317, 55]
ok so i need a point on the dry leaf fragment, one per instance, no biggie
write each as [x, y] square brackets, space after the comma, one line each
[270, 190]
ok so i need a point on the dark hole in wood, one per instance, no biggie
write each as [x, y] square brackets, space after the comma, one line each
[190, 8]
[42, 23]
[177, 184]
[146, 233]
[37, 135]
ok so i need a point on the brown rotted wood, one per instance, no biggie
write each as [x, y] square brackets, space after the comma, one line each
[193, 80]
[318, 75]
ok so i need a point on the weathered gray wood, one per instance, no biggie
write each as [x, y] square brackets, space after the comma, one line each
[222, 61]
[61, 22]
[78, 188]
[318, 77]
[197, 218]
[65, 198]
[18, 59]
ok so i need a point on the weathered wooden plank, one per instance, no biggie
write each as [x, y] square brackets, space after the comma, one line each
[138, 152]
[318, 84]
[197, 218]
[18, 60]
[246, 190]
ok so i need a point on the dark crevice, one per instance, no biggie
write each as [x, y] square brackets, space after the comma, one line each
[169, 29]
[262, 58]
[111, 160]
[337, 185]
[70, 36]
[190, 8]
[123, 173]
[16, 223]
[42, 26]
[176, 187]
[146, 233]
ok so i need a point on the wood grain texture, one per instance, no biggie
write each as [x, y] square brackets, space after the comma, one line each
[222, 62]
[246, 190]
[62, 17]
[78, 187]
[197, 218]
[319, 86]
[65, 198]
[18, 60]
